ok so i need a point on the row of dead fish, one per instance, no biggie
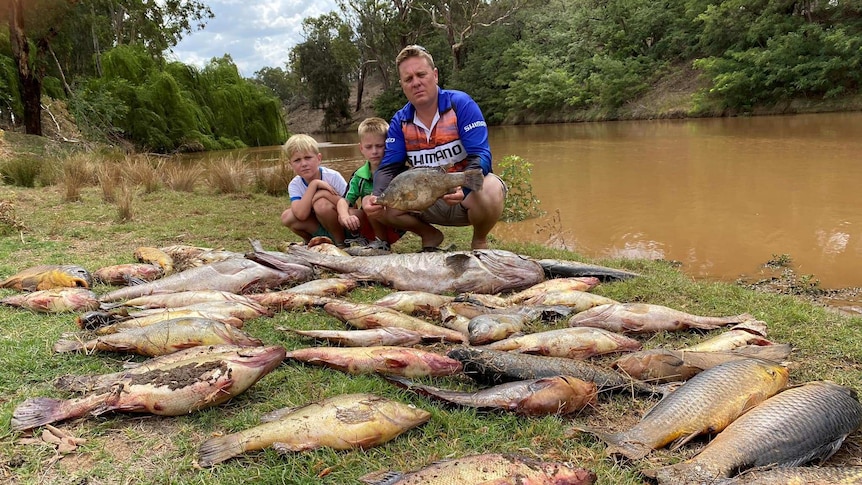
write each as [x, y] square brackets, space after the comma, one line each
[726, 378]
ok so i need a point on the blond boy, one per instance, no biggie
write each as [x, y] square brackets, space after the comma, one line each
[372, 142]
[314, 192]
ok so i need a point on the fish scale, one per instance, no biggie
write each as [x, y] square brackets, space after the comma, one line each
[797, 426]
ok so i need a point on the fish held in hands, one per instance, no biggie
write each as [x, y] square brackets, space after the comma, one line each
[419, 188]
[169, 392]
[344, 422]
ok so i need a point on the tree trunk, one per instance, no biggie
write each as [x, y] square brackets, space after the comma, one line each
[360, 86]
[66, 88]
[31, 84]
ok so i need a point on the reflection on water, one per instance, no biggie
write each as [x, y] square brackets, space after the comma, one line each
[722, 196]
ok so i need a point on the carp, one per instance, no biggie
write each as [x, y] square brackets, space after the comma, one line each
[799, 475]
[55, 300]
[170, 392]
[342, 422]
[800, 425]
[580, 283]
[47, 276]
[496, 366]
[578, 301]
[752, 332]
[415, 302]
[163, 338]
[179, 299]
[384, 336]
[557, 395]
[664, 365]
[556, 268]
[234, 275]
[705, 404]
[574, 343]
[419, 188]
[128, 273]
[648, 318]
[156, 256]
[484, 329]
[390, 360]
[325, 287]
[477, 271]
[491, 469]
[364, 316]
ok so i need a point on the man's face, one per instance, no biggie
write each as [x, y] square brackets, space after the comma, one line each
[418, 81]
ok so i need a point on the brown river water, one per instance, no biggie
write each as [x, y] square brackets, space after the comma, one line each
[721, 196]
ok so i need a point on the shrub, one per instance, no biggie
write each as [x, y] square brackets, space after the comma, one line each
[520, 202]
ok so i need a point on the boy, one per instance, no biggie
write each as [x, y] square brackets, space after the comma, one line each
[314, 193]
[372, 142]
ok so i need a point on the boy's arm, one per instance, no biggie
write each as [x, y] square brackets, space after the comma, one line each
[345, 218]
[302, 207]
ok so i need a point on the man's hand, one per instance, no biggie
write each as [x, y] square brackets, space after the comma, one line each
[370, 206]
[455, 197]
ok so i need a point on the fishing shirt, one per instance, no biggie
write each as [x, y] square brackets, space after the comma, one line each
[297, 187]
[457, 139]
[360, 185]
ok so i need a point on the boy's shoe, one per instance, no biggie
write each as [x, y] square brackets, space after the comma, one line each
[356, 241]
[379, 244]
[374, 248]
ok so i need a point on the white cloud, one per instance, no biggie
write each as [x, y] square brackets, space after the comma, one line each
[255, 33]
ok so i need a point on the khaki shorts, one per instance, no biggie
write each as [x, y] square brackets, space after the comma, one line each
[444, 214]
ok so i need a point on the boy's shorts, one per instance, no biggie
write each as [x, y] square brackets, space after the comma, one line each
[444, 214]
[322, 232]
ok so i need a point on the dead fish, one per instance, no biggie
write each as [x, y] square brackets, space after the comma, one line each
[124, 274]
[647, 318]
[752, 332]
[147, 254]
[234, 275]
[456, 322]
[415, 302]
[574, 343]
[325, 287]
[123, 323]
[244, 310]
[288, 300]
[578, 301]
[47, 276]
[579, 283]
[171, 392]
[705, 404]
[556, 268]
[364, 316]
[665, 365]
[199, 354]
[559, 395]
[180, 299]
[401, 361]
[491, 469]
[799, 425]
[55, 300]
[479, 271]
[799, 475]
[163, 338]
[344, 422]
[384, 336]
[485, 329]
[94, 320]
[496, 366]
[186, 257]
[419, 188]
[326, 248]
[471, 307]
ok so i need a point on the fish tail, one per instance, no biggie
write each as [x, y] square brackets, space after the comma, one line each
[64, 345]
[385, 477]
[218, 449]
[473, 179]
[617, 445]
[37, 412]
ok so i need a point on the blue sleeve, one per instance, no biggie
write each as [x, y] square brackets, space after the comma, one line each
[395, 155]
[473, 130]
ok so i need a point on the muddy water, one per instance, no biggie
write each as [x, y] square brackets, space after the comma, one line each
[721, 196]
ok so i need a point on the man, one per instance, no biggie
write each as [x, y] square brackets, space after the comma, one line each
[437, 128]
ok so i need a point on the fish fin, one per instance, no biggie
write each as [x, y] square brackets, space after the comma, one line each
[277, 414]
[617, 445]
[399, 381]
[64, 345]
[474, 179]
[133, 280]
[218, 449]
[382, 477]
[683, 440]
[37, 411]
[75, 383]
[284, 448]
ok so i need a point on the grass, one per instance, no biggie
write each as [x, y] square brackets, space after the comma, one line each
[43, 228]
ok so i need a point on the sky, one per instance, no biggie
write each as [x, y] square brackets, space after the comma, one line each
[256, 33]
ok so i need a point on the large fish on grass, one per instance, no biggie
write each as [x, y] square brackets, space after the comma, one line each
[665, 365]
[168, 392]
[127, 273]
[648, 318]
[415, 302]
[483, 329]
[163, 338]
[288, 300]
[54, 300]
[496, 366]
[580, 283]
[800, 425]
[344, 422]
[179, 299]
[752, 332]
[419, 188]
[574, 343]
[104, 323]
[490, 469]
[364, 316]
[705, 404]
[47, 276]
[557, 268]
[233, 275]
[559, 395]
[156, 256]
[578, 301]
[478, 271]
[799, 475]
[389, 360]
[372, 337]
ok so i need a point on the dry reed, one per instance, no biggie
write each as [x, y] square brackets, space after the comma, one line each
[110, 176]
[143, 170]
[125, 196]
[182, 177]
[78, 172]
[273, 180]
[228, 175]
